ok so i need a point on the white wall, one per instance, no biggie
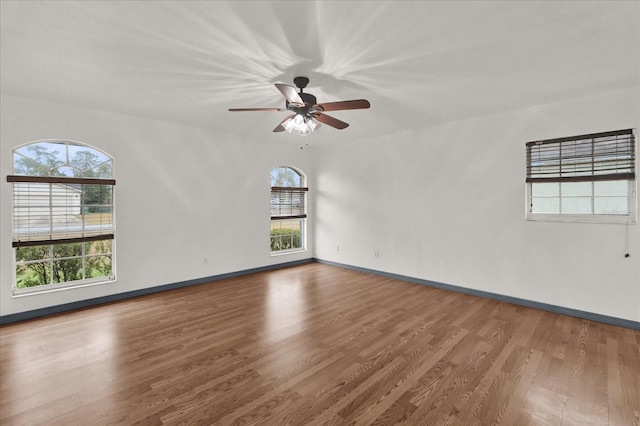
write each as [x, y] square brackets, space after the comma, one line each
[443, 204]
[447, 204]
[182, 194]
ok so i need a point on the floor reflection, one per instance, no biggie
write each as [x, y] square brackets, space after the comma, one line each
[285, 307]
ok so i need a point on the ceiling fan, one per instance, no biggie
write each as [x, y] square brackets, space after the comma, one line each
[307, 114]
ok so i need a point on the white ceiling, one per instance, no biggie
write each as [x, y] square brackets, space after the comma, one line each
[418, 63]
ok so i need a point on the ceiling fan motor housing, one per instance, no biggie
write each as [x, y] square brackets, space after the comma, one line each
[301, 82]
[308, 99]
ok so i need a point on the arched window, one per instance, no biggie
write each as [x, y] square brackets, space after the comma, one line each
[288, 210]
[63, 228]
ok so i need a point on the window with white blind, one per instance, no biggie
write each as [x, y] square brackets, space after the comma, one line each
[583, 178]
[63, 204]
[288, 210]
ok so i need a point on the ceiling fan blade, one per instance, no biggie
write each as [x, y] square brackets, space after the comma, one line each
[330, 121]
[280, 127]
[342, 105]
[290, 94]
[257, 109]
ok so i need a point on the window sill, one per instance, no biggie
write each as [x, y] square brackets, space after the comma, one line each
[53, 288]
[285, 252]
[567, 218]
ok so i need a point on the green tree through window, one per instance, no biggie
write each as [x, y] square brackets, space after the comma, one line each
[63, 214]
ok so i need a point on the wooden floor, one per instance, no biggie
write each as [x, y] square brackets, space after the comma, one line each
[313, 345]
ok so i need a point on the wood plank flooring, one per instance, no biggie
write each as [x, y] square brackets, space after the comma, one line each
[313, 345]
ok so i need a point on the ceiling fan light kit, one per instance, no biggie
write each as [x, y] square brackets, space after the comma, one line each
[302, 124]
[307, 113]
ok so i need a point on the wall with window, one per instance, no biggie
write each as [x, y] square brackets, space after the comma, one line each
[445, 204]
[191, 203]
[448, 204]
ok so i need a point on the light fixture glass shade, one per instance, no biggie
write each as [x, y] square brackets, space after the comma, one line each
[289, 125]
[304, 132]
[300, 121]
[313, 124]
[304, 125]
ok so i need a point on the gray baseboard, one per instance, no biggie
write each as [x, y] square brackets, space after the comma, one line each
[37, 313]
[620, 322]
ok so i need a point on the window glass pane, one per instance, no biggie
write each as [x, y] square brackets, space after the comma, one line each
[66, 171]
[612, 187]
[70, 263]
[98, 266]
[27, 254]
[576, 205]
[572, 189]
[62, 158]
[98, 263]
[67, 250]
[285, 176]
[545, 205]
[98, 247]
[39, 159]
[611, 205]
[69, 267]
[33, 266]
[102, 221]
[67, 270]
[545, 189]
[32, 274]
[88, 162]
[97, 207]
[286, 234]
[97, 197]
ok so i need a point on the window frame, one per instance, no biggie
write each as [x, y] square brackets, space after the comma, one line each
[631, 178]
[293, 213]
[46, 185]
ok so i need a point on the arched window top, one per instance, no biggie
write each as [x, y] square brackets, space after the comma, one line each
[62, 158]
[285, 176]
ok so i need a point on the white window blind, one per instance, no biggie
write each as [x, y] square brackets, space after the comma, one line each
[61, 210]
[288, 202]
[586, 158]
